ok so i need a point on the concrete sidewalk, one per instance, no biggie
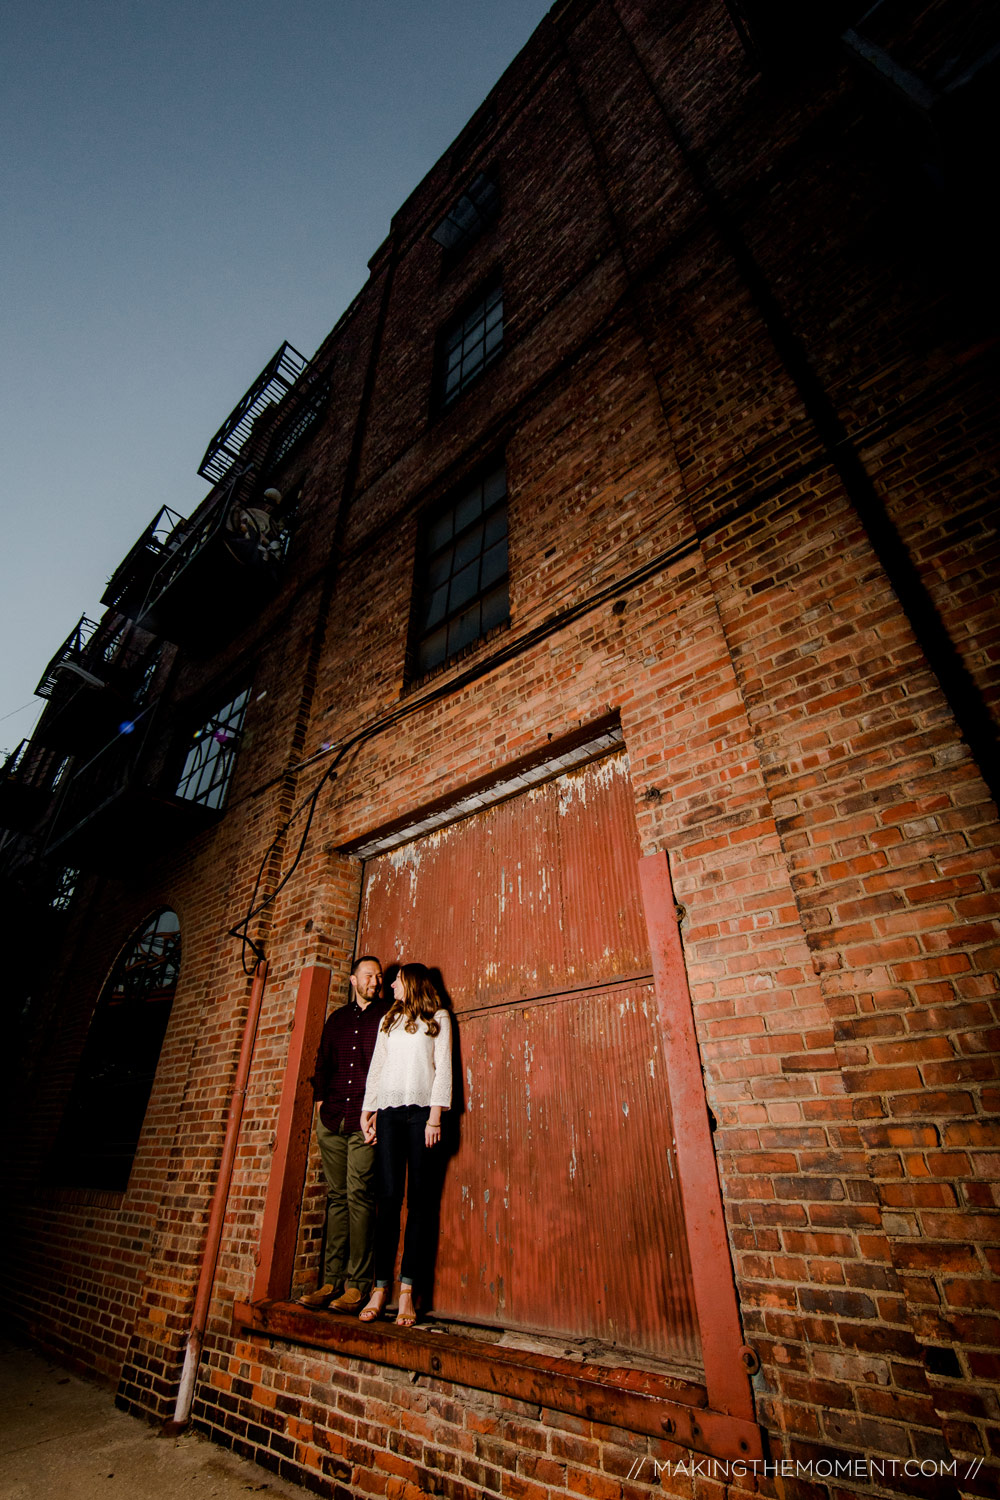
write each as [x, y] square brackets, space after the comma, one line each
[63, 1436]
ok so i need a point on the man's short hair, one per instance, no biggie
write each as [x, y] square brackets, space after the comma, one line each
[366, 958]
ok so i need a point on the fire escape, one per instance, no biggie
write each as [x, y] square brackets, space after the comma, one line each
[98, 689]
[99, 780]
[213, 573]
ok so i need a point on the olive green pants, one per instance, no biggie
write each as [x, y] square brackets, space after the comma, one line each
[349, 1170]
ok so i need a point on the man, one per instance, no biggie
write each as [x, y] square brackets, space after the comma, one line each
[345, 1051]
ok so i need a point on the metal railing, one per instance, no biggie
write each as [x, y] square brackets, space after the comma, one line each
[70, 655]
[128, 583]
[32, 765]
[99, 781]
[227, 517]
[230, 444]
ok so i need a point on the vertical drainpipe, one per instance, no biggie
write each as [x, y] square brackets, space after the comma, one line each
[217, 1214]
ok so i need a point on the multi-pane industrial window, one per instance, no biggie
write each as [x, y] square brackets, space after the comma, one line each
[471, 342]
[64, 889]
[473, 212]
[211, 757]
[100, 1130]
[462, 572]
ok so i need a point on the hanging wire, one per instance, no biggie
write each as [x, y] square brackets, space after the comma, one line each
[31, 704]
[564, 613]
[254, 910]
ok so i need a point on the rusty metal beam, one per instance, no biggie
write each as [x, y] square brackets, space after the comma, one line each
[275, 1255]
[724, 1356]
[637, 1400]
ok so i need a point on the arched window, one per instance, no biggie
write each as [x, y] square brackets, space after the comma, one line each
[100, 1129]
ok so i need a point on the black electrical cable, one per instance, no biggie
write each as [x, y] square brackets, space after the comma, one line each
[538, 633]
[240, 930]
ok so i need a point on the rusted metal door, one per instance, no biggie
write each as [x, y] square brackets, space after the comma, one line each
[561, 1210]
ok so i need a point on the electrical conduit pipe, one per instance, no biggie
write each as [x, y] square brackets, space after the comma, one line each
[217, 1214]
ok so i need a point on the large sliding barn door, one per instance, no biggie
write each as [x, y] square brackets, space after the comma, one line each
[561, 1210]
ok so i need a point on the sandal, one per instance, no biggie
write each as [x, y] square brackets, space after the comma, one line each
[407, 1318]
[375, 1307]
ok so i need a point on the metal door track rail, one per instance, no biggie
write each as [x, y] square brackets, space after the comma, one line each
[640, 1401]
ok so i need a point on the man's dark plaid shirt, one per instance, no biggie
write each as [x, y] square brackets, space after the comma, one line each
[345, 1052]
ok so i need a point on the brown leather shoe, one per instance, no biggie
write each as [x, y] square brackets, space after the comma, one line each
[351, 1301]
[320, 1298]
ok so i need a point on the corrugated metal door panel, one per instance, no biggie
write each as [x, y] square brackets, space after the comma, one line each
[535, 896]
[561, 1211]
[603, 926]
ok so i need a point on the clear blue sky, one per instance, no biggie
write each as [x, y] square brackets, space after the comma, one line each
[186, 183]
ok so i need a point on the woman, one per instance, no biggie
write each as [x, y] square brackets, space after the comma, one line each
[409, 1084]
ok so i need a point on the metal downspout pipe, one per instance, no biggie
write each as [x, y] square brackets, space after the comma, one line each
[217, 1214]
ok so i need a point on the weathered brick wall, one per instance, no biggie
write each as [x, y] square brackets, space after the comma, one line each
[79, 1261]
[727, 365]
[348, 1427]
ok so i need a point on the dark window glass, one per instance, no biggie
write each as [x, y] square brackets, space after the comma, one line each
[147, 670]
[211, 758]
[462, 572]
[64, 889]
[471, 342]
[465, 221]
[107, 649]
[103, 1120]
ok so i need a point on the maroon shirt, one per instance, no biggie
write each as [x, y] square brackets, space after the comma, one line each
[345, 1051]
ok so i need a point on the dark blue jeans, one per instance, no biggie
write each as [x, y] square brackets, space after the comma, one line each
[405, 1167]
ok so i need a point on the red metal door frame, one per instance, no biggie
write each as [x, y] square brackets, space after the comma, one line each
[280, 1225]
[724, 1356]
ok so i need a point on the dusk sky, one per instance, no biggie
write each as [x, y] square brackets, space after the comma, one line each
[187, 183]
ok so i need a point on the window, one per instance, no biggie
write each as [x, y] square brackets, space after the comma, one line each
[471, 342]
[100, 1130]
[465, 220]
[211, 758]
[462, 572]
[65, 888]
[148, 668]
[108, 648]
[786, 31]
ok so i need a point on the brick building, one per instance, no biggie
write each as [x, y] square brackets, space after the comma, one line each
[605, 616]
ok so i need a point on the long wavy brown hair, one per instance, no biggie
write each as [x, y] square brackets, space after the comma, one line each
[420, 1000]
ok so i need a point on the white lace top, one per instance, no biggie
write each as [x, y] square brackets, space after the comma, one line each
[410, 1067]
